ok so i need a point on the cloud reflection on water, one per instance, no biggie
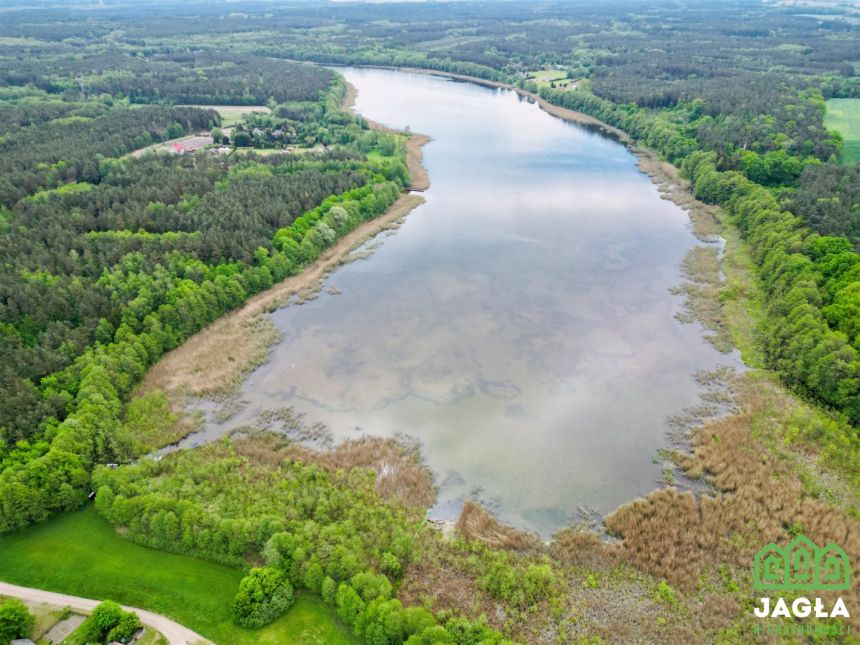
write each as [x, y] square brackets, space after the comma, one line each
[519, 324]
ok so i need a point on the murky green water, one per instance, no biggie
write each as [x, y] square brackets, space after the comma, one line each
[519, 324]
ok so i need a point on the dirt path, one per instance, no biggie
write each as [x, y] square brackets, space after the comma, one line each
[175, 633]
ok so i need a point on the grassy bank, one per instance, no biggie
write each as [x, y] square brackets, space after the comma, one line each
[79, 553]
[843, 115]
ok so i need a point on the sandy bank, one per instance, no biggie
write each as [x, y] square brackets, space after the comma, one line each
[414, 144]
[560, 112]
[216, 358]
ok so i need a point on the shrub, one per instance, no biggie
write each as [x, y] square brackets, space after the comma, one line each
[264, 594]
[109, 622]
[15, 620]
[125, 629]
[391, 565]
[666, 594]
[521, 587]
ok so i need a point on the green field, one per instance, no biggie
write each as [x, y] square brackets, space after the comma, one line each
[81, 554]
[545, 77]
[843, 115]
[232, 114]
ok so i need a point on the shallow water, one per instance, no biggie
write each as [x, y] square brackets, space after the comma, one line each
[519, 324]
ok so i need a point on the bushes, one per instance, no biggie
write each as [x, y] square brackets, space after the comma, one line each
[364, 602]
[125, 629]
[217, 503]
[517, 585]
[108, 622]
[15, 620]
[264, 594]
[327, 532]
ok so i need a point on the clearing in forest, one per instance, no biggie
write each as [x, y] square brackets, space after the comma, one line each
[843, 115]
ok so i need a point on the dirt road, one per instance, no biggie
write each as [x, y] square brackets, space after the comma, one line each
[175, 633]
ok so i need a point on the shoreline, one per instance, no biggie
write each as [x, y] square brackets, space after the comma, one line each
[664, 174]
[245, 331]
[201, 367]
[247, 321]
[731, 442]
[702, 296]
[565, 114]
[414, 143]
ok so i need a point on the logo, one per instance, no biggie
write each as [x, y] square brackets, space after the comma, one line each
[801, 566]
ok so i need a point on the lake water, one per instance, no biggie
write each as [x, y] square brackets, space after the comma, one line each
[519, 324]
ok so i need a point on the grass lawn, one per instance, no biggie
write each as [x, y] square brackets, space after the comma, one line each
[232, 114]
[151, 637]
[263, 151]
[544, 77]
[843, 115]
[547, 75]
[308, 622]
[80, 554]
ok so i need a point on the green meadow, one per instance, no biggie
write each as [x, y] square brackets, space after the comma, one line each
[843, 115]
[81, 554]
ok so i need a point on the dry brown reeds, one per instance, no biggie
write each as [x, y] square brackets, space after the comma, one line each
[418, 176]
[400, 474]
[701, 269]
[477, 524]
[759, 499]
[582, 548]
[214, 361]
[704, 218]
[436, 577]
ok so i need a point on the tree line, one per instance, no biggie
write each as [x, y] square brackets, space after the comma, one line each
[70, 282]
[809, 280]
[182, 76]
[827, 198]
[326, 532]
[109, 262]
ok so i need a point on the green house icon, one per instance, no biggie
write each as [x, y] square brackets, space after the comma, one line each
[801, 565]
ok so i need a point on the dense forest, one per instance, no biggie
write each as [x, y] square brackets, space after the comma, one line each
[152, 77]
[65, 150]
[110, 259]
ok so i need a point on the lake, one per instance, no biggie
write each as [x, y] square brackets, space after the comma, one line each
[519, 325]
